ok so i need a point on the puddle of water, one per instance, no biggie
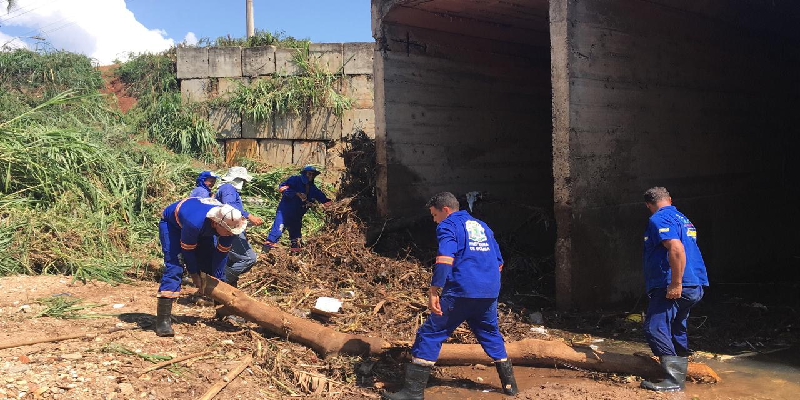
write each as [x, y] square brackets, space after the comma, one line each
[773, 376]
[762, 376]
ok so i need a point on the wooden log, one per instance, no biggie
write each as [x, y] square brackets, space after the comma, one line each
[321, 339]
[551, 353]
[543, 353]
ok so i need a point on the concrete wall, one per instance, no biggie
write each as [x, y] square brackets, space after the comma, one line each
[462, 113]
[208, 73]
[699, 97]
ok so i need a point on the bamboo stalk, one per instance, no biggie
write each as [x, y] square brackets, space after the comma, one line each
[174, 360]
[227, 379]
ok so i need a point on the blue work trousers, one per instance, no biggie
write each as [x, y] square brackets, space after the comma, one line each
[481, 316]
[170, 238]
[291, 220]
[665, 324]
[241, 258]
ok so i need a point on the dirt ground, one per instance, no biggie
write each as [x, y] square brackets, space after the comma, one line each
[109, 363]
[117, 88]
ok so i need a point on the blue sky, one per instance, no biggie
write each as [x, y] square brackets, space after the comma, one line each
[318, 20]
[110, 29]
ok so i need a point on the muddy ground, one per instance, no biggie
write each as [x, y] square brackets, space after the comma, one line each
[110, 363]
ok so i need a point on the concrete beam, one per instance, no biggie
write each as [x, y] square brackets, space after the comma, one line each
[258, 130]
[284, 64]
[358, 58]
[359, 120]
[226, 123]
[275, 151]
[328, 56]
[192, 62]
[195, 90]
[361, 89]
[309, 153]
[225, 62]
[258, 61]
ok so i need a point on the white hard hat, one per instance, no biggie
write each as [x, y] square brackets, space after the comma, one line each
[229, 217]
[237, 172]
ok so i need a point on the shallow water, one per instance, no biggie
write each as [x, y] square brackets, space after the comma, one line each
[774, 376]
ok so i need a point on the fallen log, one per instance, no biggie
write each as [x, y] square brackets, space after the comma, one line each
[552, 353]
[327, 341]
[321, 339]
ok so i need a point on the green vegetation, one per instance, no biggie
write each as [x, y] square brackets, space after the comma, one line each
[160, 113]
[312, 87]
[261, 38]
[66, 308]
[78, 194]
[81, 185]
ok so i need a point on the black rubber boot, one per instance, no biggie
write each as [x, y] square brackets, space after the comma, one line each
[163, 317]
[414, 387]
[507, 381]
[675, 369]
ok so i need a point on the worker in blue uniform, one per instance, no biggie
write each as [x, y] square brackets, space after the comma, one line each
[675, 275]
[298, 193]
[202, 231]
[464, 287]
[205, 182]
[242, 257]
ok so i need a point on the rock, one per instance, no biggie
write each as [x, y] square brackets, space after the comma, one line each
[72, 356]
[126, 389]
[16, 369]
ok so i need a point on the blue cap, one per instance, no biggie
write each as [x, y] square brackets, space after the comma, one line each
[310, 168]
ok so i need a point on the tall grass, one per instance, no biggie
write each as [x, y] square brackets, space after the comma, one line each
[181, 127]
[312, 87]
[80, 200]
[159, 112]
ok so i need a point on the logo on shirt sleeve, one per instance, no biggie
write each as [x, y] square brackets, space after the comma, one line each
[662, 230]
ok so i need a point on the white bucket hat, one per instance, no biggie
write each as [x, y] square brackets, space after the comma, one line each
[229, 217]
[237, 172]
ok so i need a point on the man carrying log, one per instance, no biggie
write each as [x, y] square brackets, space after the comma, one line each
[202, 231]
[464, 287]
[675, 275]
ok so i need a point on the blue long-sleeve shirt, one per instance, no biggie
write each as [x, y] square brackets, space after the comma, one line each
[227, 194]
[468, 262]
[201, 190]
[292, 204]
[189, 215]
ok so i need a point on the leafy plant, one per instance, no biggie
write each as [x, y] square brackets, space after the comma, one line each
[180, 127]
[66, 308]
[312, 87]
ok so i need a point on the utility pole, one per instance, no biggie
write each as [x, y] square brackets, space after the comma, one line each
[250, 26]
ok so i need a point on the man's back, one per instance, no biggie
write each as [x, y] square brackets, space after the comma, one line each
[476, 256]
[669, 223]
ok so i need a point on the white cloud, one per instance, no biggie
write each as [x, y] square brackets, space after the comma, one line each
[10, 42]
[190, 39]
[101, 29]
